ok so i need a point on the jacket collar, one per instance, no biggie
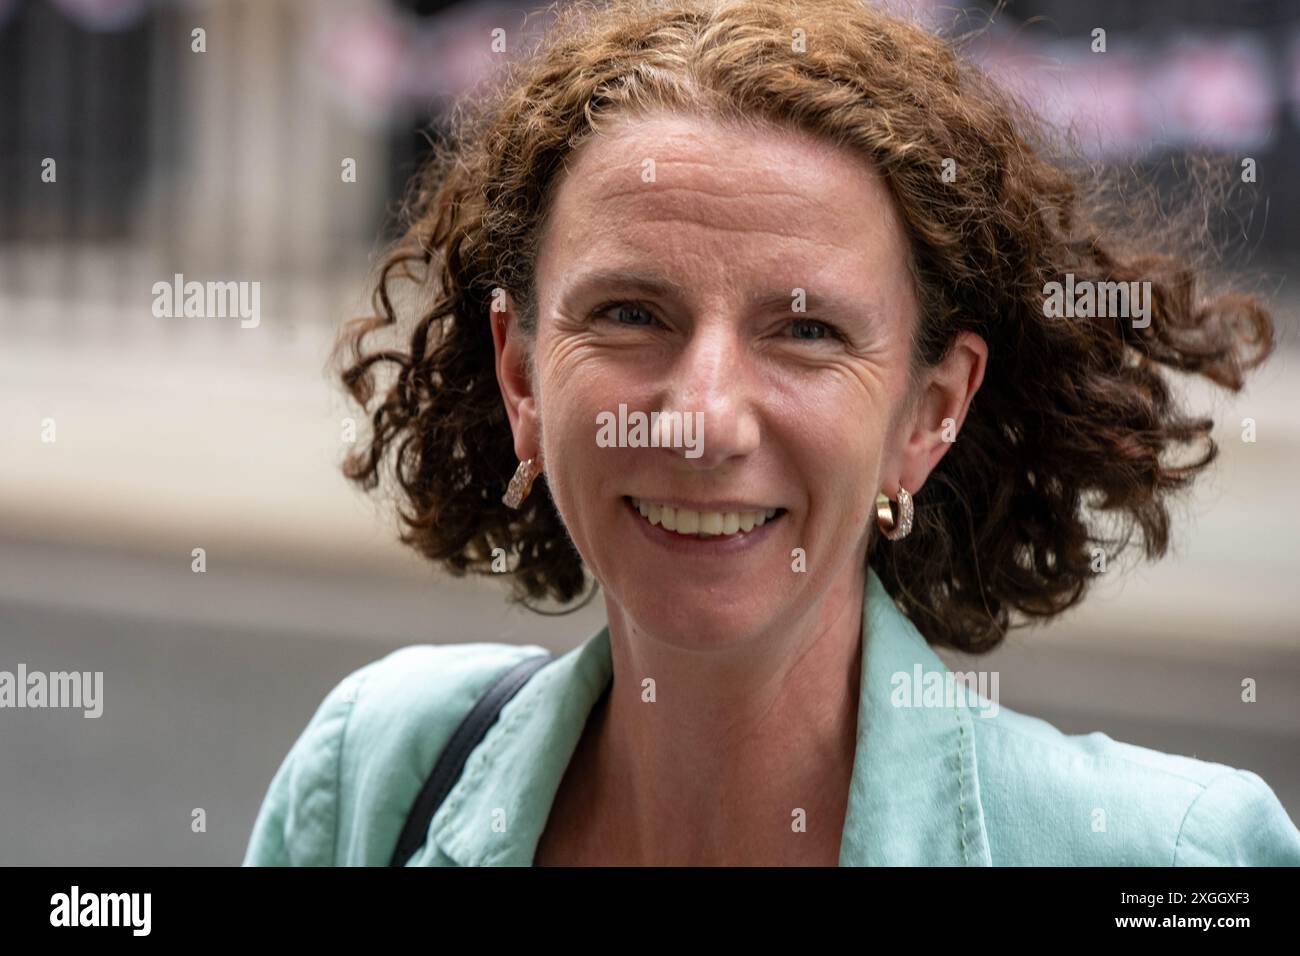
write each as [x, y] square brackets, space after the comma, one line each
[914, 796]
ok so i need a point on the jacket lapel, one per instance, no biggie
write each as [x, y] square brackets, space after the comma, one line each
[496, 812]
[914, 798]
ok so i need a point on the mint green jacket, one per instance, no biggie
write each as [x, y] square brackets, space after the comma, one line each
[955, 782]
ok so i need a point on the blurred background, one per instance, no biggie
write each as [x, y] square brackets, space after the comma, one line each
[128, 440]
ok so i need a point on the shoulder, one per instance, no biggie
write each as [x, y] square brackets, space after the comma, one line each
[1086, 799]
[344, 788]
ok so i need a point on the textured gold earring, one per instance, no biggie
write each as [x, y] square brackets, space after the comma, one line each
[521, 483]
[891, 528]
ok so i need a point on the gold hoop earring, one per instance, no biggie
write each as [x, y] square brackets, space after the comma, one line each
[894, 530]
[521, 483]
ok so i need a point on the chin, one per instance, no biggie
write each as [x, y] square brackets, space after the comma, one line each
[694, 622]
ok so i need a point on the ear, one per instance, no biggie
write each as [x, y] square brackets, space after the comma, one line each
[939, 409]
[512, 376]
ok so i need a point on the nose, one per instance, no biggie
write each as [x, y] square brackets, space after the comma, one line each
[712, 376]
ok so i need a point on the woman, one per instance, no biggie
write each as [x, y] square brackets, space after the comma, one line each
[816, 246]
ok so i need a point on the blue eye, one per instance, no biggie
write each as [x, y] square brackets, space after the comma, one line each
[622, 309]
[827, 330]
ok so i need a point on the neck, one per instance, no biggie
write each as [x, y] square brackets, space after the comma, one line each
[745, 755]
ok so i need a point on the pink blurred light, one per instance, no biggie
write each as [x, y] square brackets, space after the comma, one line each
[363, 53]
[105, 15]
[1219, 93]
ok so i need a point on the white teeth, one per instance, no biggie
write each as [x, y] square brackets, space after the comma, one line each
[704, 524]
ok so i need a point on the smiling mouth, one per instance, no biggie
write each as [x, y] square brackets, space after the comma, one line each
[702, 524]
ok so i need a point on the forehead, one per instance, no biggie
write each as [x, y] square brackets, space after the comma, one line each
[727, 207]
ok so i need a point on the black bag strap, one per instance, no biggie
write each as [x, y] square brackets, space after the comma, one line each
[451, 762]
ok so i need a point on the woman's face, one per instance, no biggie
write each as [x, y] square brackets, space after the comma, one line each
[669, 280]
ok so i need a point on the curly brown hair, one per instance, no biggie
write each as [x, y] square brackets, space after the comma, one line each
[1074, 423]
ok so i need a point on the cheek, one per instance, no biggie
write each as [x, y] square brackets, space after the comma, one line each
[578, 385]
[838, 433]
[577, 468]
[853, 479]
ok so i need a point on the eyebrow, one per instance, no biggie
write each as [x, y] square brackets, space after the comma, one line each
[630, 279]
[773, 300]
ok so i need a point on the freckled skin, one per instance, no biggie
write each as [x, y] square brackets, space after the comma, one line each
[755, 665]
